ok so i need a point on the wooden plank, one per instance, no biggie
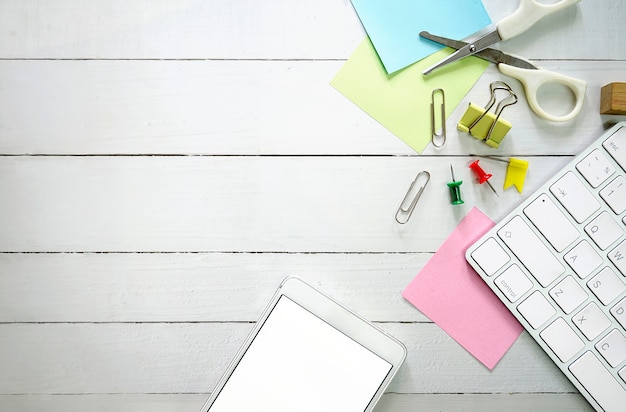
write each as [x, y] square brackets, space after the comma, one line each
[247, 108]
[189, 358]
[238, 204]
[191, 287]
[247, 29]
[540, 402]
[184, 107]
[103, 403]
[256, 29]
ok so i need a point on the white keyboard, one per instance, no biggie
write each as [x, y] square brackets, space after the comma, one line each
[558, 262]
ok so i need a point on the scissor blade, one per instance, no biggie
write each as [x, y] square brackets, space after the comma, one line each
[457, 55]
[492, 55]
[468, 49]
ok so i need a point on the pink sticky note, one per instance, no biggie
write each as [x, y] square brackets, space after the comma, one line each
[452, 295]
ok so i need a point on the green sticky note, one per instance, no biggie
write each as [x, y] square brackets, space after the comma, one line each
[401, 101]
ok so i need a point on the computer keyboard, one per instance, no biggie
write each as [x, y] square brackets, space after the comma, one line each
[558, 262]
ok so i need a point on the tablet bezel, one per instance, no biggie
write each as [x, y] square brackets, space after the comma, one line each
[338, 316]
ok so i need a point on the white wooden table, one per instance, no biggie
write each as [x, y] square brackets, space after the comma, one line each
[164, 164]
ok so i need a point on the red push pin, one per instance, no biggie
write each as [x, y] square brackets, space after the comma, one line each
[481, 175]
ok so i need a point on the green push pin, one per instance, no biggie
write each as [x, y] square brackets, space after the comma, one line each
[455, 189]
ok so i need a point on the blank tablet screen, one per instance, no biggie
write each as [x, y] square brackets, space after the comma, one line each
[299, 362]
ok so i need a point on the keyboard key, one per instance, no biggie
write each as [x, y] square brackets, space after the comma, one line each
[614, 194]
[591, 321]
[568, 294]
[599, 382]
[513, 283]
[575, 197]
[604, 230]
[551, 222]
[536, 309]
[619, 312]
[617, 257]
[596, 168]
[490, 256]
[616, 146]
[583, 259]
[562, 339]
[606, 285]
[531, 251]
[613, 348]
[622, 373]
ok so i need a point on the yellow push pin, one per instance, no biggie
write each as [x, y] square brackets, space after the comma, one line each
[515, 172]
[485, 125]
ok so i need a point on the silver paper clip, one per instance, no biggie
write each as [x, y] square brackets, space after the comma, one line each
[441, 136]
[403, 214]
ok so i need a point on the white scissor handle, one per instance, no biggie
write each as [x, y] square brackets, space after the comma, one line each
[528, 13]
[534, 79]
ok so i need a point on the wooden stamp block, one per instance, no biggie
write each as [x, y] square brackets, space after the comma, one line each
[613, 99]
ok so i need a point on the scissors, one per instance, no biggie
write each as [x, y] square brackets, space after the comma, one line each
[531, 77]
[527, 14]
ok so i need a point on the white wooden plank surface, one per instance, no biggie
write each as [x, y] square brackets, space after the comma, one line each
[165, 163]
[257, 29]
[389, 402]
[249, 107]
[190, 357]
[195, 287]
[210, 204]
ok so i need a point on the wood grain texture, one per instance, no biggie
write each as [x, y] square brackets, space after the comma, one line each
[106, 358]
[164, 164]
[195, 287]
[257, 29]
[211, 204]
[613, 98]
[247, 108]
[390, 402]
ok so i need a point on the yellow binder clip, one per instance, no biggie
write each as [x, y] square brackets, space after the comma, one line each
[485, 125]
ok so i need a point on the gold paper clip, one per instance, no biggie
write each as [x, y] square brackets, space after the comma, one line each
[441, 136]
[403, 214]
[485, 125]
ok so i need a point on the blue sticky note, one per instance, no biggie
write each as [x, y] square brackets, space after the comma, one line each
[394, 26]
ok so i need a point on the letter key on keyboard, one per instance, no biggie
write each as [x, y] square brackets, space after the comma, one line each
[584, 259]
[558, 263]
[604, 230]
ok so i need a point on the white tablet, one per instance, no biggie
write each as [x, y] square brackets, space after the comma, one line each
[308, 353]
